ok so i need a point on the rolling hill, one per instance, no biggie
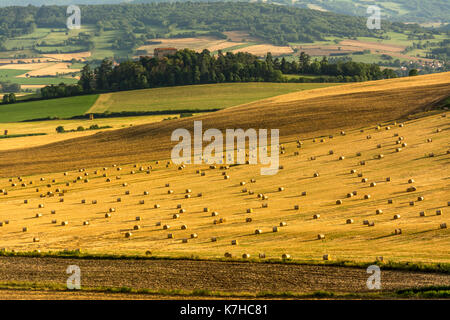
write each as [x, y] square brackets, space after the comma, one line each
[298, 115]
[361, 205]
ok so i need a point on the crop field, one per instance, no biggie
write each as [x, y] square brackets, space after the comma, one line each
[361, 180]
[198, 97]
[61, 108]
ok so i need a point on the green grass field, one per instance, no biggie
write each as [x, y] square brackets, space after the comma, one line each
[11, 76]
[198, 97]
[61, 108]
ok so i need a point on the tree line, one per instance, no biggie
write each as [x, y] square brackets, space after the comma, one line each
[188, 67]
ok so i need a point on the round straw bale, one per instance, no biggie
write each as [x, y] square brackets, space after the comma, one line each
[137, 227]
[378, 211]
[367, 196]
[326, 257]
[281, 189]
[422, 214]
[214, 213]
[265, 205]
[398, 231]
[258, 231]
[397, 216]
[341, 158]
[170, 236]
[35, 239]
[213, 239]
[112, 210]
[339, 201]
[316, 174]
[316, 216]
[275, 229]
[64, 223]
[38, 215]
[141, 201]
[85, 223]
[228, 255]
[411, 203]
[439, 212]
[373, 184]
[187, 196]
[156, 206]
[234, 242]
[443, 226]
[107, 215]
[128, 235]
[283, 224]
[176, 216]
[350, 221]
[194, 235]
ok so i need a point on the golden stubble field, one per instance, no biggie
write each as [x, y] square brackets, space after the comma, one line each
[421, 239]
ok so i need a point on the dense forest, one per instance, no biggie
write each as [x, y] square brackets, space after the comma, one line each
[393, 10]
[188, 67]
[272, 23]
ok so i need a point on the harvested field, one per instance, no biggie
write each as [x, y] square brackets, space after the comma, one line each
[51, 70]
[210, 275]
[68, 56]
[261, 50]
[298, 114]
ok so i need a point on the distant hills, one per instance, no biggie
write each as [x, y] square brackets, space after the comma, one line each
[419, 11]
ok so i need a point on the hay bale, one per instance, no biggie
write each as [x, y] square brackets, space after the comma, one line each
[40, 206]
[166, 227]
[83, 201]
[349, 195]
[339, 201]
[398, 231]
[378, 211]
[175, 216]
[194, 236]
[128, 235]
[213, 239]
[170, 236]
[258, 231]
[360, 175]
[38, 215]
[107, 215]
[390, 201]
[283, 224]
[326, 257]
[341, 158]
[138, 218]
[316, 216]
[24, 229]
[156, 206]
[373, 184]
[397, 216]
[371, 224]
[141, 201]
[54, 221]
[228, 255]
[281, 189]
[64, 223]
[362, 163]
[443, 226]
[411, 189]
[422, 214]
[85, 223]
[316, 174]
[411, 203]
[364, 180]
[320, 236]
[439, 212]
[367, 196]
[187, 196]
[127, 192]
[245, 256]
[365, 222]
[35, 239]
[265, 205]
[234, 242]
[214, 214]
[349, 221]
[112, 210]
[137, 227]
[420, 198]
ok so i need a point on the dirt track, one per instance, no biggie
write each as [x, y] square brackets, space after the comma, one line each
[210, 275]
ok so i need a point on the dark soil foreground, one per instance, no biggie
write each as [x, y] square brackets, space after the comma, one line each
[204, 275]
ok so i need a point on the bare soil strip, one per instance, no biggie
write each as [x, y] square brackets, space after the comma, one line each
[210, 275]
